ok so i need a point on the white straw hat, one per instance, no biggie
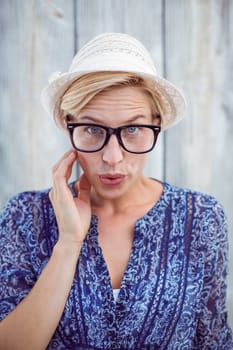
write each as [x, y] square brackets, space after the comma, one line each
[114, 52]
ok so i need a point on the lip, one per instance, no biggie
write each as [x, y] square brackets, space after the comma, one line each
[112, 179]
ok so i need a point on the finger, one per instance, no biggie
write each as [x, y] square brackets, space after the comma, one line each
[56, 166]
[61, 174]
[63, 168]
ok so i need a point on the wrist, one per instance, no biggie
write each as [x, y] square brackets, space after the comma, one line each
[67, 249]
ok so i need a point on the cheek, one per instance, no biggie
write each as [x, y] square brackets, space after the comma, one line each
[139, 162]
[83, 162]
[87, 163]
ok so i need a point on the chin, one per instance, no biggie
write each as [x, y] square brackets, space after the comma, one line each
[112, 192]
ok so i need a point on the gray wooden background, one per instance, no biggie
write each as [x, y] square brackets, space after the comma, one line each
[191, 43]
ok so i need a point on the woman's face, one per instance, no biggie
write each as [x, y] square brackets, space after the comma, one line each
[112, 171]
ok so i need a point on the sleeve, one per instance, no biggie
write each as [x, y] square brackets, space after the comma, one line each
[213, 332]
[16, 273]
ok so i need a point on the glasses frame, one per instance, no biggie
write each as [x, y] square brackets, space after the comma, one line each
[113, 131]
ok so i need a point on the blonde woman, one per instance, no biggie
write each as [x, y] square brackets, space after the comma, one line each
[114, 260]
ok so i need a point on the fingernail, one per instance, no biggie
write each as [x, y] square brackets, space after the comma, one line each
[73, 154]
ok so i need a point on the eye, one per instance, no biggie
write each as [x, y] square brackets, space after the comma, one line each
[94, 130]
[132, 130]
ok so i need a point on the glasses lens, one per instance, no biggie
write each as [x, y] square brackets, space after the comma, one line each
[138, 139]
[133, 138]
[88, 137]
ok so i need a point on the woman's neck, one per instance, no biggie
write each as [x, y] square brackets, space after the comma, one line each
[145, 193]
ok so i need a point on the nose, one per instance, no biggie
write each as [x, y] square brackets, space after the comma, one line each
[112, 152]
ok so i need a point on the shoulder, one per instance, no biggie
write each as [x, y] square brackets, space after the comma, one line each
[205, 214]
[24, 215]
[201, 201]
[25, 202]
[204, 211]
[28, 224]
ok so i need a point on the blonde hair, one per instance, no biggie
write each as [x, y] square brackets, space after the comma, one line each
[85, 88]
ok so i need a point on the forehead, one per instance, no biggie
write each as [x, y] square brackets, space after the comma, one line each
[123, 100]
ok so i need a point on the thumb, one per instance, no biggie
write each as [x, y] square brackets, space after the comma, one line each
[84, 188]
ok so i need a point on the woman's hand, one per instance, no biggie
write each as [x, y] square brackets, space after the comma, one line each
[33, 322]
[73, 214]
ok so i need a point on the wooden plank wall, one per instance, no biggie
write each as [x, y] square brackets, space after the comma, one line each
[191, 43]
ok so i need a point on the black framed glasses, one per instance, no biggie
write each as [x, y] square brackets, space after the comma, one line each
[133, 138]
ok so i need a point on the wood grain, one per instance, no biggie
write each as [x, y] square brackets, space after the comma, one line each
[191, 44]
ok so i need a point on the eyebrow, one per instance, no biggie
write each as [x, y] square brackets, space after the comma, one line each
[96, 120]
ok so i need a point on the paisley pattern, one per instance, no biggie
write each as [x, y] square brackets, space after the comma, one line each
[174, 288]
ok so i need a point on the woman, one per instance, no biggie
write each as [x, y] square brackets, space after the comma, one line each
[115, 260]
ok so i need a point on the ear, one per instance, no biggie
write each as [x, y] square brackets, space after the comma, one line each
[62, 120]
[157, 120]
[65, 118]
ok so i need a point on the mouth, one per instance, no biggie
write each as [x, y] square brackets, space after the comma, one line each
[112, 179]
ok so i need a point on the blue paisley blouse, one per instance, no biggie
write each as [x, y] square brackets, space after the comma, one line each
[173, 291]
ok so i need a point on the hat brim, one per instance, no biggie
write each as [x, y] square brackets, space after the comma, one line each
[172, 97]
